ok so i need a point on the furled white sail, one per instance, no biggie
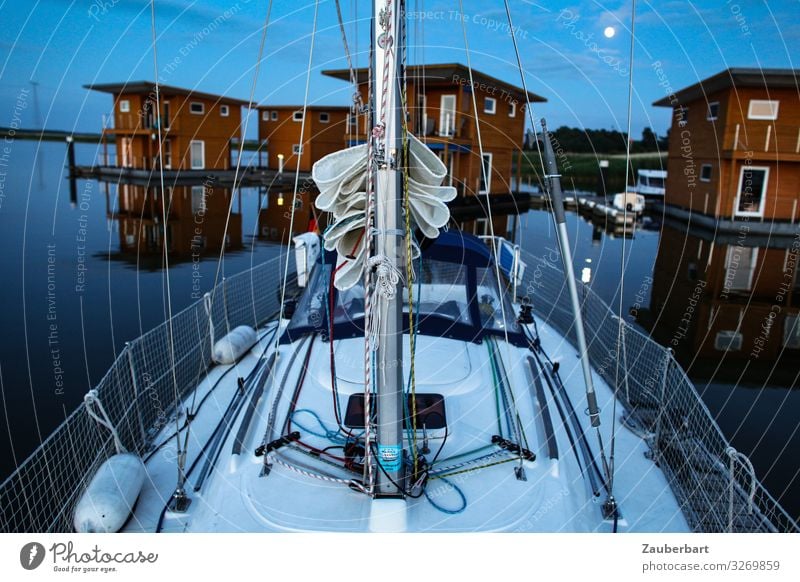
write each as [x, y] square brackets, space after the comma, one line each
[341, 178]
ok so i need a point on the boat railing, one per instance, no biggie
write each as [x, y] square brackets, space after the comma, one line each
[714, 484]
[139, 394]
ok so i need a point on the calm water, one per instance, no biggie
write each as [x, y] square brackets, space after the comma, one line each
[81, 277]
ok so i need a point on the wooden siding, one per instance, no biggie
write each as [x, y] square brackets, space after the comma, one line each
[282, 134]
[730, 143]
[211, 127]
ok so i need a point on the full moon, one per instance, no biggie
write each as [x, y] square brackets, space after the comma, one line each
[609, 32]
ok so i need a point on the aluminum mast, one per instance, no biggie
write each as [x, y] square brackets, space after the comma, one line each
[387, 136]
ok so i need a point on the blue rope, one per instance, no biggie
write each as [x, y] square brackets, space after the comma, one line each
[444, 509]
[335, 436]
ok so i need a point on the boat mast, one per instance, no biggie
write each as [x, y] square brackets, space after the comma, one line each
[388, 244]
[553, 180]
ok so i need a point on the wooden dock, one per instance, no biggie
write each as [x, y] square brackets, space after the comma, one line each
[248, 176]
[599, 208]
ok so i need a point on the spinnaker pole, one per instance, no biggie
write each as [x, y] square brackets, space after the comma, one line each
[553, 181]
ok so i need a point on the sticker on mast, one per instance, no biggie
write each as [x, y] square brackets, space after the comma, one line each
[389, 457]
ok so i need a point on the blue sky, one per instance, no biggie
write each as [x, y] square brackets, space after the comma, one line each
[62, 45]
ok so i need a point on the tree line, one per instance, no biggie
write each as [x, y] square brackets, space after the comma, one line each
[606, 141]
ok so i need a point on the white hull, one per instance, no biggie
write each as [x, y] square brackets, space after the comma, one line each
[555, 497]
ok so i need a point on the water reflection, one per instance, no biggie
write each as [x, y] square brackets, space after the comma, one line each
[196, 217]
[275, 214]
[728, 304]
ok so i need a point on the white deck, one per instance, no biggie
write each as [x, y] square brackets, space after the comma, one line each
[554, 498]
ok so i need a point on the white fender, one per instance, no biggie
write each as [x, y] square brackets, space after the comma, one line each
[234, 345]
[109, 499]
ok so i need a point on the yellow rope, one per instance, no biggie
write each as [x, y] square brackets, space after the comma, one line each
[470, 469]
[409, 274]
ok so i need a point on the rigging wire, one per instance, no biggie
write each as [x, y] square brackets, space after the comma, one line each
[368, 243]
[181, 452]
[299, 156]
[236, 178]
[621, 350]
[488, 195]
[408, 236]
[607, 469]
[353, 77]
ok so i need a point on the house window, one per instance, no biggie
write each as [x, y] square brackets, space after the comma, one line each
[324, 117]
[791, 331]
[297, 116]
[447, 115]
[713, 111]
[297, 149]
[124, 106]
[489, 105]
[224, 110]
[486, 175]
[752, 190]
[422, 125]
[728, 341]
[705, 173]
[512, 109]
[740, 264]
[166, 153]
[126, 152]
[265, 116]
[481, 227]
[197, 108]
[273, 115]
[762, 109]
[165, 117]
[197, 154]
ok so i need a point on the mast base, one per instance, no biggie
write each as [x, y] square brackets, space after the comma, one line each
[388, 515]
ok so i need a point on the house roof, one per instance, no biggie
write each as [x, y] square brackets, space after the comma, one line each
[146, 87]
[734, 78]
[452, 72]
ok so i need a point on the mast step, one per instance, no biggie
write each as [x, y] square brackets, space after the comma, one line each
[387, 515]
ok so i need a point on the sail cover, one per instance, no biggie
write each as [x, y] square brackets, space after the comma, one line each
[342, 177]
